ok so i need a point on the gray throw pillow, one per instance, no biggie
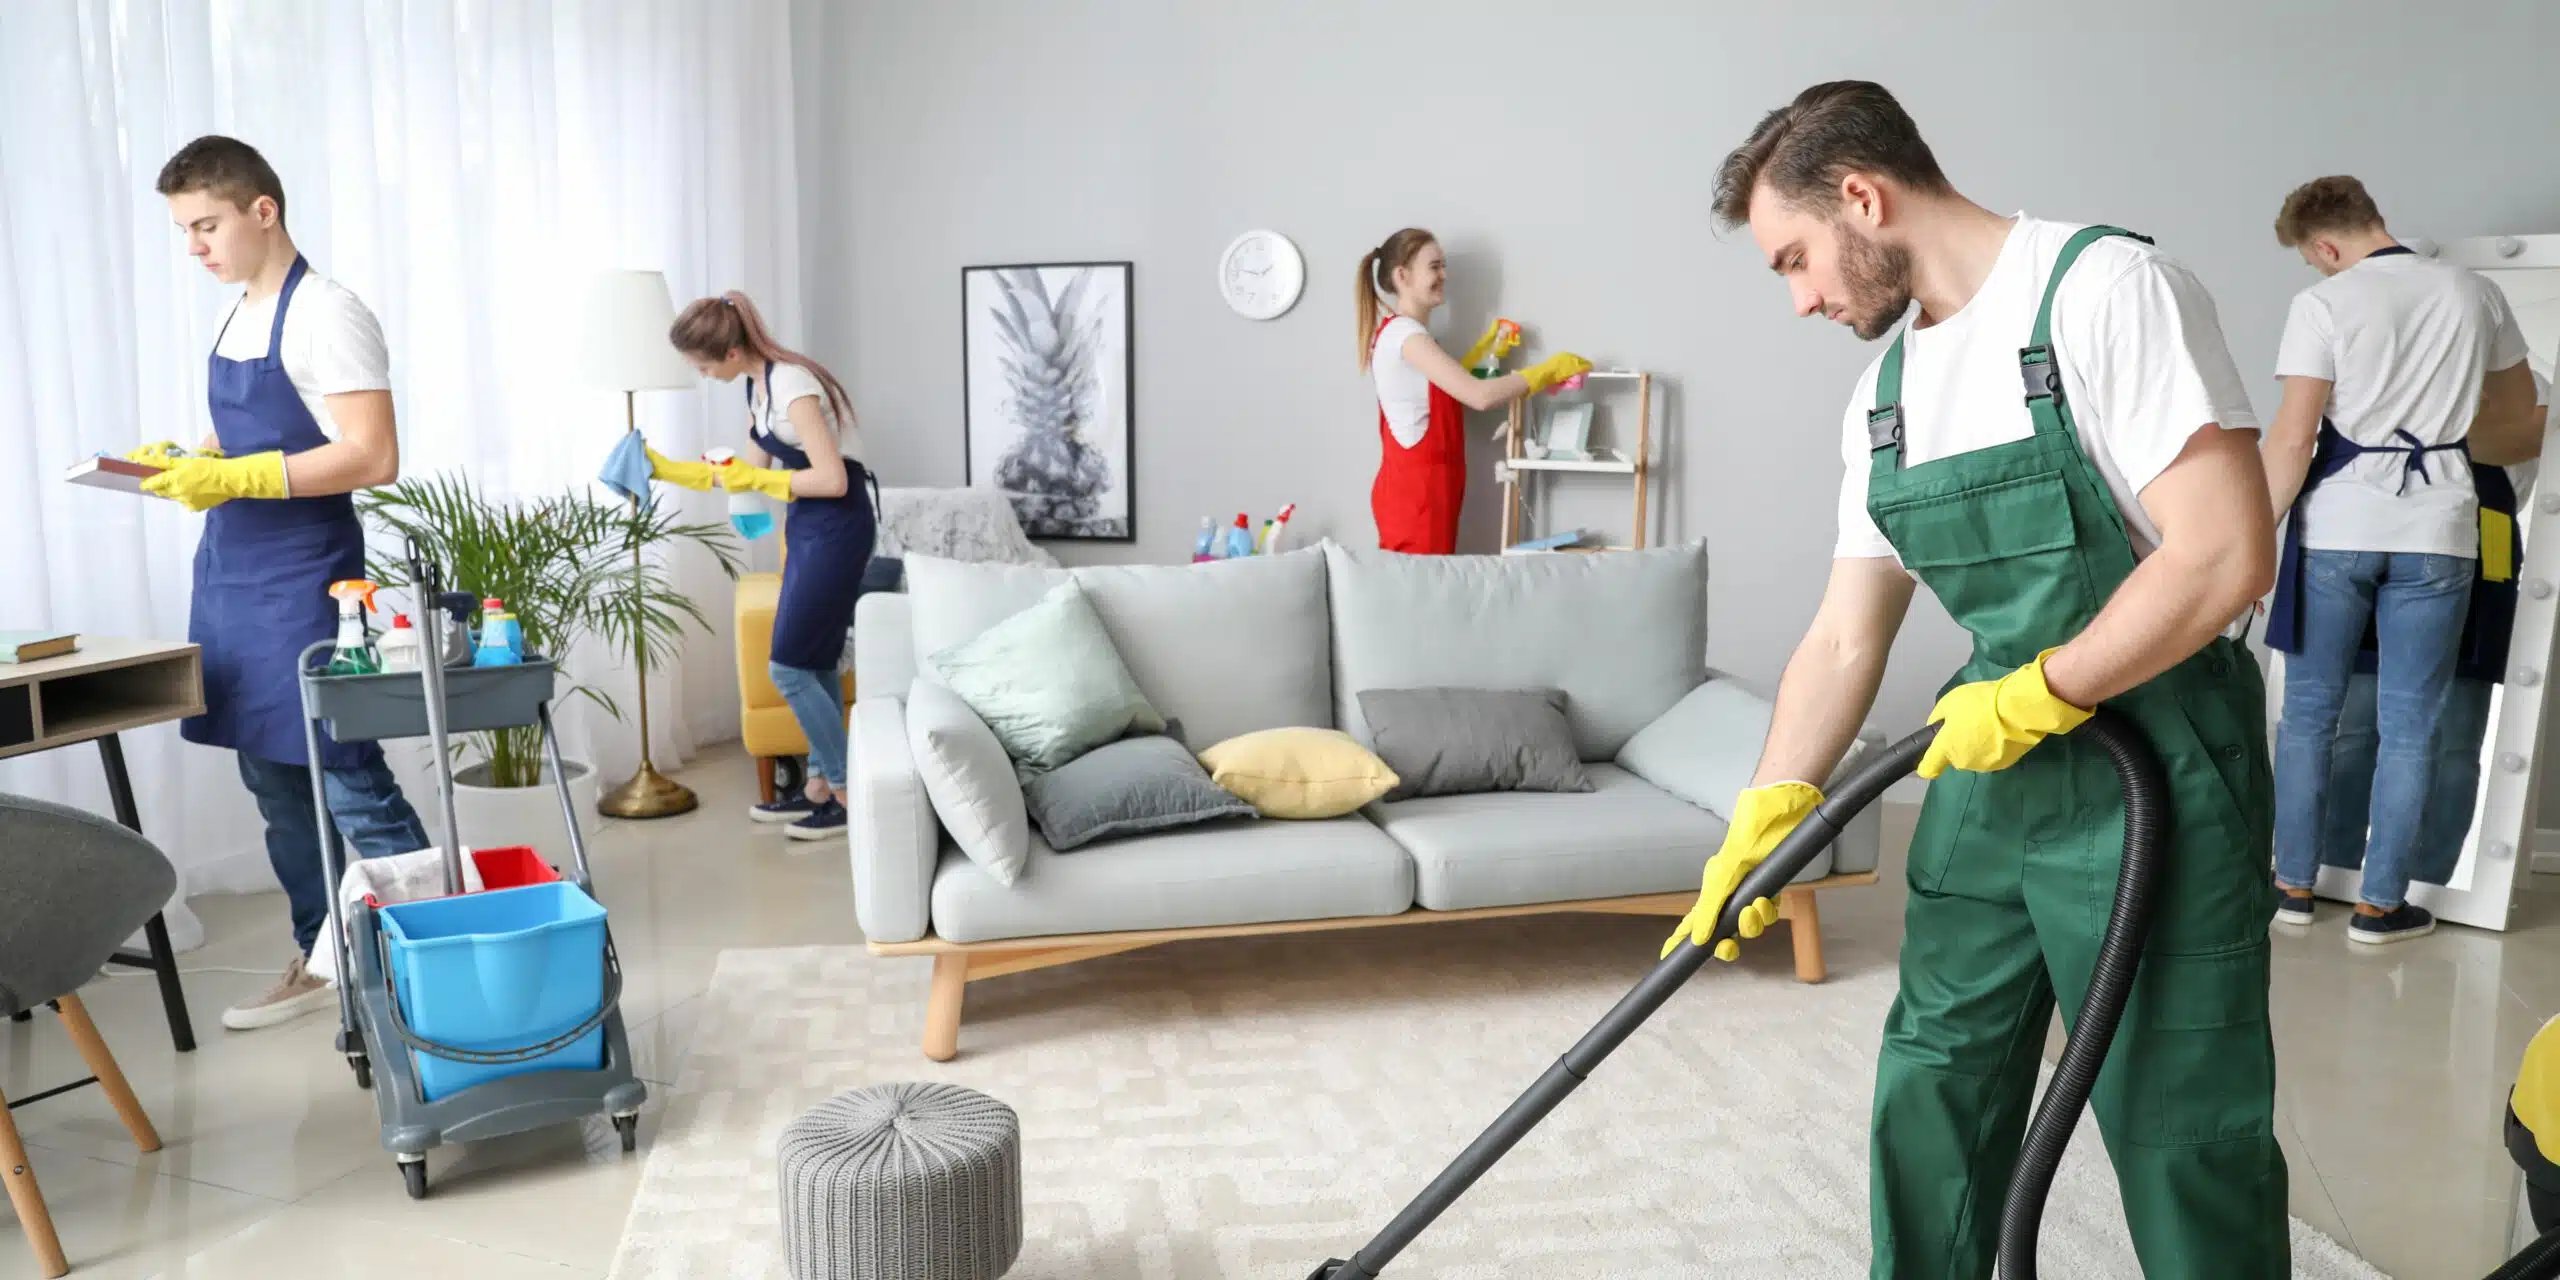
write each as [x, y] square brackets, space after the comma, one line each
[1443, 742]
[1124, 788]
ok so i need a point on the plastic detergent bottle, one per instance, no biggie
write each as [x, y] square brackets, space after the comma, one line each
[501, 639]
[747, 511]
[1240, 537]
[355, 654]
[400, 646]
[1207, 546]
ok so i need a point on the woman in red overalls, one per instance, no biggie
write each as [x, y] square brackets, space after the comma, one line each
[1422, 394]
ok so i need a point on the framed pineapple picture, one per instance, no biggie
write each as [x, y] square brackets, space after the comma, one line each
[1047, 361]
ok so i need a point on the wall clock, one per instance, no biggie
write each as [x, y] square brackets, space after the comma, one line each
[1261, 274]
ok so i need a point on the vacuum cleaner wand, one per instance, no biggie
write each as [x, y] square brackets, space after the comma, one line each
[2146, 814]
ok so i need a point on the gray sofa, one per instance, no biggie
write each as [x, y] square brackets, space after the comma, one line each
[1234, 646]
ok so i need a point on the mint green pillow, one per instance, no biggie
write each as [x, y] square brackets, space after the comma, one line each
[1048, 681]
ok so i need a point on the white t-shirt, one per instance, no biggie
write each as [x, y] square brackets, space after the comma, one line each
[332, 343]
[2144, 367]
[2406, 340]
[1403, 391]
[770, 408]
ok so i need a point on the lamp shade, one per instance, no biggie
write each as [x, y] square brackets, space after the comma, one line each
[623, 320]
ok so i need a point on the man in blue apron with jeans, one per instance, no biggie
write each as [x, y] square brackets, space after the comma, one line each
[299, 390]
[2405, 390]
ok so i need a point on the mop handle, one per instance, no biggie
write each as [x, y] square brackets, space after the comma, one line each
[428, 575]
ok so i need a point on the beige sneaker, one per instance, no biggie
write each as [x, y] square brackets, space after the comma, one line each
[293, 995]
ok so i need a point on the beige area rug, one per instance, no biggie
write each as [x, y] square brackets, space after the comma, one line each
[1249, 1107]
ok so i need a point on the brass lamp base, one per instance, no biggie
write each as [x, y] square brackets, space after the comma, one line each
[649, 794]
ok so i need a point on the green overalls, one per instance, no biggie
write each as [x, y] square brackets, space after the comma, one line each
[2012, 874]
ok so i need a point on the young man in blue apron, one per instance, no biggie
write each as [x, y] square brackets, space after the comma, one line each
[300, 393]
[2059, 447]
[2403, 378]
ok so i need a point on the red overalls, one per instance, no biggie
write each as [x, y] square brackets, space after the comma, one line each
[1416, 497]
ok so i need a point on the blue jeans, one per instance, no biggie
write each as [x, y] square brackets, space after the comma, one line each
[817, 702]
[2416, 604]
[2460, 734]
[371, 814]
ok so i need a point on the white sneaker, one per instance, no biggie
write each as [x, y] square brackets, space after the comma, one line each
[296, 993]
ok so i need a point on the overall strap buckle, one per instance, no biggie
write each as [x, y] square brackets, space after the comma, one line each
[2038, 374]
[1884, 428]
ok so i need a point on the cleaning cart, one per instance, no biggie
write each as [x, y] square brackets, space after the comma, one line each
[476, 1013]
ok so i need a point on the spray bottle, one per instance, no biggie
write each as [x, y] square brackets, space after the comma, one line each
[1206, 548]
[355, 654]
[747, 512]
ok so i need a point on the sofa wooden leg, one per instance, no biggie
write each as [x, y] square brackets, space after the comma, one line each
[29, 1199]
[102, 1064]
[1804, 924]
[942, 1009]
[764, 779]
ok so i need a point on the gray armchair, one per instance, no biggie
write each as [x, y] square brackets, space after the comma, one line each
[72, 886]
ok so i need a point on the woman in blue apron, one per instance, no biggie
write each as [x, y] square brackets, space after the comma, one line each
[808, 455]
[280, 527]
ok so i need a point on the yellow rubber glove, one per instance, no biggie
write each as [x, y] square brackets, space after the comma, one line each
[1554, 369]
[1498, 340]
[683, 475]
[160, 453]
[738, 477]
[199, 484]
[1762, 816]
[1989, 724]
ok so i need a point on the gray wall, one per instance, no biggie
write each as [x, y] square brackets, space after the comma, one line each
[1566, 164]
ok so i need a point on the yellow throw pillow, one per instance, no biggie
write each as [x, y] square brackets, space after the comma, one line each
[1299, 772]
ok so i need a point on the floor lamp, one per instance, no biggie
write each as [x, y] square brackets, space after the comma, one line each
[627, 316]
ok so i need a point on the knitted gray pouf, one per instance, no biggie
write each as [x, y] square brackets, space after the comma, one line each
[902, 1182]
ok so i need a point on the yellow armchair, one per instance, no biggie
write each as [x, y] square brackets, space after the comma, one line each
[764, 719]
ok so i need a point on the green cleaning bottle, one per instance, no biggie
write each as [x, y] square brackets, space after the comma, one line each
[355, 654]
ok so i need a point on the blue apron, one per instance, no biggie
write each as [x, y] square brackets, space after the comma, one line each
[2328, 458]
[263, 567]
[828, 547]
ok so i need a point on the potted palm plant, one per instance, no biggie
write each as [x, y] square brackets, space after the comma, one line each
[562, 564]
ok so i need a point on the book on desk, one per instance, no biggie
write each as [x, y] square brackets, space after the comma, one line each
[35, 646]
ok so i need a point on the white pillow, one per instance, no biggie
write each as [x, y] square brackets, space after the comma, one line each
[970, 780]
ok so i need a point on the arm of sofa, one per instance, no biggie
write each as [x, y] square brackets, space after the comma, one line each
[1705, 748]
[896, 839]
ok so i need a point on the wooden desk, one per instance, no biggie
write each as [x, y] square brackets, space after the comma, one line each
[92, 694]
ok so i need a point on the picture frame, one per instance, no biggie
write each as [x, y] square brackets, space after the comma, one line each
[1568, 433]
[1048, 368]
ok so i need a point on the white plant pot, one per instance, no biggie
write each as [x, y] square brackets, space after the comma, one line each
[496, 817]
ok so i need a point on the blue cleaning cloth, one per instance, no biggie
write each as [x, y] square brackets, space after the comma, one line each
[626, 470]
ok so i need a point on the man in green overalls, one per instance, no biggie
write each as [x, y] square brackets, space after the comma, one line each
[2059, 447]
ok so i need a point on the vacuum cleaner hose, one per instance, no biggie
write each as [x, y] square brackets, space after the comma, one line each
[2146, 825]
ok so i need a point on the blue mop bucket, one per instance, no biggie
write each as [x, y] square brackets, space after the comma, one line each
[494, 984]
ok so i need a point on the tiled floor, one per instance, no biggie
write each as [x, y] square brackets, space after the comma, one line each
[2393, 1067]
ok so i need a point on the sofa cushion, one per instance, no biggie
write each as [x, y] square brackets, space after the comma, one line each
[1450, 742]
[1624, 836]
[969, 778]
[1624, 633]
[1225, 873]
[1048, 680]
[884, 646]
[1227, 647]
[1124, 788]
[1299, 772]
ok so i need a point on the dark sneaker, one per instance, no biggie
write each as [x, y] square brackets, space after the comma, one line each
[823, 821]
[2399, 924]
[2292, 911]
[787, 809]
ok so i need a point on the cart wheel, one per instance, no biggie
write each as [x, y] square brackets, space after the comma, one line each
[629, 1128]
[364, 1070]
[414, 1174]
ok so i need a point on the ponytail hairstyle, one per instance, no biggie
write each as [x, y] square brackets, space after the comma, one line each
[1378, 276]
[711, 328]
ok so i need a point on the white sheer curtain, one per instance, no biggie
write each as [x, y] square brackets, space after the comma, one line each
[458, 165]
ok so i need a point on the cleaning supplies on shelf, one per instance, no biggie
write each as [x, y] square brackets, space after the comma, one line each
[1240, 537]
[748, 513]
[1207, 546]
[354, 655]
[454, 625]
[1273, 529]
[501, 637]
[401, 646]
